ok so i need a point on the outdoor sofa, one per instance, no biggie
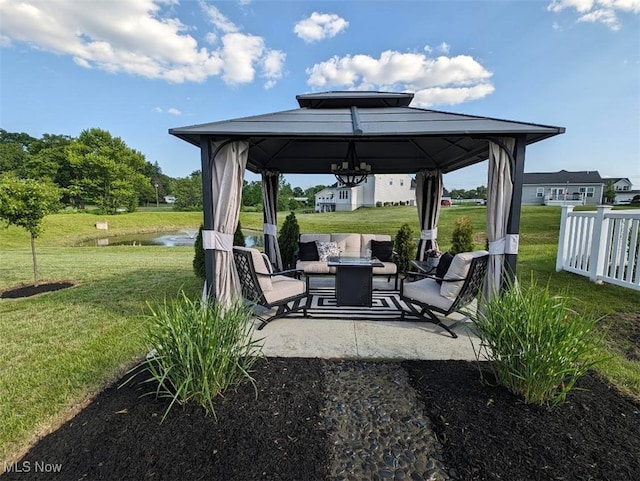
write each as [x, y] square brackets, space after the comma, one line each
[315, 249]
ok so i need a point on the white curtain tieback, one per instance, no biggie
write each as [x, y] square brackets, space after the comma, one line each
[270, 229]
[429, 234]
[219, 241]
[505, 245]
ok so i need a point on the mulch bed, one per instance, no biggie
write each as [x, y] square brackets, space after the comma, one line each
[487, 433]
[31, 290]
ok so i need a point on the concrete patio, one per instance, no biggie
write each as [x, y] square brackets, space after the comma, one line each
[295, 336]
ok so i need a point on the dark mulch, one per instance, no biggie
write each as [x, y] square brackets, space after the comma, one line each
[276, 436]
[487, 433]
[31, 290]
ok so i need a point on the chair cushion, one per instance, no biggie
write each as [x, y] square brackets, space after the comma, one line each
[443, 265]
[284, 287]
[382, 250]
[426, 291]
[308, 251]
[458, 269]
[326, 250]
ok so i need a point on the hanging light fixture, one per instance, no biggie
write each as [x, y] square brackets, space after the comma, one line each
[351, 172]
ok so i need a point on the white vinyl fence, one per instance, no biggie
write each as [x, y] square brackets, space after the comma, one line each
[602, 245]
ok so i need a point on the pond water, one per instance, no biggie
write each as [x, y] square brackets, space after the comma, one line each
[167, 239]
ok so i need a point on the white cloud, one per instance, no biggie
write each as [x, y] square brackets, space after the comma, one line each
[138, 38]
[602, 11]
[174, 111]
[444, 48]
[157, 110]
[320, 26]
[440, 80]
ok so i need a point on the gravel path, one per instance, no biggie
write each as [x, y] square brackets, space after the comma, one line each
[376, 427]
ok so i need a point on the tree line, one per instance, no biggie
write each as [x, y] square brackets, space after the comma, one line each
[99, 169]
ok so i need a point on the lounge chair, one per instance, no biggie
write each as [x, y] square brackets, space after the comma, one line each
[260, 285]
[447, 294]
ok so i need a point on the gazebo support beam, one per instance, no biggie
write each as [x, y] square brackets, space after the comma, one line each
[207, 205]
[513, 222]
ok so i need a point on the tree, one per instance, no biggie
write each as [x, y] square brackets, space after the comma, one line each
[405, 247]
[24, 203]
[462, 235]
[252, 193]
[109, 173]
[288, 241]
[188, 192]
[609, 193]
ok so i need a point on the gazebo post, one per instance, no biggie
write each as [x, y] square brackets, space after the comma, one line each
[513, 222]
[207, 205]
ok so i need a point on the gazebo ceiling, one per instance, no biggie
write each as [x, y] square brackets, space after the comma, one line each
[387, 133]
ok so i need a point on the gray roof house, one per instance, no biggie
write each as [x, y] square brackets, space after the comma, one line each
[563, 188]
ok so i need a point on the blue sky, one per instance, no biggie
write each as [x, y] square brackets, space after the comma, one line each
[139, 67]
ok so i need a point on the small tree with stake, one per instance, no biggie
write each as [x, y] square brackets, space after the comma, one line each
[24, 203]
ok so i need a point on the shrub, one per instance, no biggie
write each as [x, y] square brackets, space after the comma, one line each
[537, 346]
[288, 241]
[462, 236]
[405, 247]
[202, 349]
[198, 257]
[238, 237]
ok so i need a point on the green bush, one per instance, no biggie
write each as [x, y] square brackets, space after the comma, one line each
[405, 247]
[537, 346]
[288, 241]
[202, 349]
[198, 257]
[238, 237]
[462, 236]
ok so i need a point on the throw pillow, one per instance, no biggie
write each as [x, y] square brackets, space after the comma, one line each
[326, 250]
[308, 251]
[443, 266]
[382, 250]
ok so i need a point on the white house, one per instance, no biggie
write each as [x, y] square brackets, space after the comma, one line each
[382, 188]
[624, 189]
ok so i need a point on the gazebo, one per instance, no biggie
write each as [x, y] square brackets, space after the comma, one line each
[370, 132]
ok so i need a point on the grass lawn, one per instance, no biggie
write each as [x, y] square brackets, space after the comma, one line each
[60, 348]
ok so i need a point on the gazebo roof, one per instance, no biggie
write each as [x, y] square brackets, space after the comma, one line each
[387, 133]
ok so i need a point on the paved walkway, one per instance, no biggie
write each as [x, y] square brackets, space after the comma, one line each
[373, 340]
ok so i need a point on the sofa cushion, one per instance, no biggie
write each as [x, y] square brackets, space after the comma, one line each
[367, 238]
[382, 250]
[348, 243]
[389, 268]
[313, 267]
[308, 251]
[315, 237]
[326, 250]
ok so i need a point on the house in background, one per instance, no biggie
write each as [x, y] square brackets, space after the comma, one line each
[376, 188]
[563, 188]
[624, 189]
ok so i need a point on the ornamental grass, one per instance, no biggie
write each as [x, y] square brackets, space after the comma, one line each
[536, 345]
[200, 349]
